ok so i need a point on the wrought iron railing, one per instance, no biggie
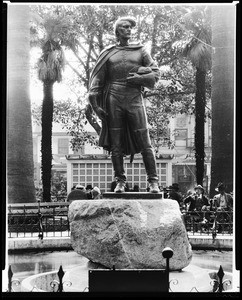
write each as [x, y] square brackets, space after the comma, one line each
[38, 219]
[12, 281]
[218, 283]
[45, 219]
[209, 222]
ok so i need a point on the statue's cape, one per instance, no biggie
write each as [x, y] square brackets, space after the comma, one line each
[104, 135]
[106, 54]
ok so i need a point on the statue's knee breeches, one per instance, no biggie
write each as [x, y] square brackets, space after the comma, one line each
[117, 141]
[141, 138]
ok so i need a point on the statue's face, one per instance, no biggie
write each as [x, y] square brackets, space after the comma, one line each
[124, 30]
[199, 191]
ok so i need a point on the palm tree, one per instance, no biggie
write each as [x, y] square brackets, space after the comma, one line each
[223, 26]
[198, 50]
[50, 66]
[20, 166]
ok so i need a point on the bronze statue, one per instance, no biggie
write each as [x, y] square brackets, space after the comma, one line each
[115, 94]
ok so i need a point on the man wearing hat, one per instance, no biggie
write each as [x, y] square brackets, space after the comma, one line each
[173, 193]
[118, 79]
[222, 201]
[96, 193]
[198, 201]
[79, 193]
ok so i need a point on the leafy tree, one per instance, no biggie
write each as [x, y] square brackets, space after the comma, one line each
[153, 23]
[90, 29]
[50, 66]
[177, 96]
[198, 50]
[72, 119]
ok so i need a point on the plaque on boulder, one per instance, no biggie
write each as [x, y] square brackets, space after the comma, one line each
[129, 234]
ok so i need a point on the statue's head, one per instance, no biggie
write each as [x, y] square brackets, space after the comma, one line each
[123, 21]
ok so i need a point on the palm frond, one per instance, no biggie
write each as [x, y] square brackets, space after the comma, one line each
[36, 18]
[199, 51]
[200, 55]
[52, 62]
[42, 70]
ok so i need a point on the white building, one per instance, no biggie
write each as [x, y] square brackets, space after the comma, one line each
[91, 165]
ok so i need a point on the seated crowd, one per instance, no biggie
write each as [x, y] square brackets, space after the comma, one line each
[204, 210]
[80, 192]
[195, 205]
[192, 201]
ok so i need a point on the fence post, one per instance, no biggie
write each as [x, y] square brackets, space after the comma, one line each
[214, 228]
[25, 217]
[220, 279]
[41, 231]
[60, 274]
[10, 275]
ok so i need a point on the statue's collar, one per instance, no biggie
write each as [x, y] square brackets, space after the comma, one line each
[130, 46]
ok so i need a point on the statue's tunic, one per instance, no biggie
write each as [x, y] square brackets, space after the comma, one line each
[127, 120]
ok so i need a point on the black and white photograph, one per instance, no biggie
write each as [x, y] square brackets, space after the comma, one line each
[120, 149]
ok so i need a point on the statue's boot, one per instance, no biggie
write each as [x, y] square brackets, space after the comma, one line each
[119, 173]
[150, 166]
[120, 187]
[154, 187]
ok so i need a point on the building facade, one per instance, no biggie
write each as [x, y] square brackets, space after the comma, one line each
[97, 170]
[92, 165]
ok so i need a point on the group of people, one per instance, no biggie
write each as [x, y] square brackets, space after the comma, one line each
[197, 201]
[200, 202]
[80, 192]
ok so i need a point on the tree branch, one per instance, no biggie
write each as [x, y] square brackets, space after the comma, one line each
[79, 75]
[90, 42]
[146, 95]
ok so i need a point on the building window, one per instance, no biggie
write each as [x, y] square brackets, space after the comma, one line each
[181, 121]
[181, 137]
[102, 174]
[63, 146]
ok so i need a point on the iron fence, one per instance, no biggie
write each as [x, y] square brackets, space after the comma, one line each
[45, 219]
[38, 219]
[218, 283]
[208, 222]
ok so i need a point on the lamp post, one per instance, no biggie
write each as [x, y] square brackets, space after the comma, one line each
[167, 253]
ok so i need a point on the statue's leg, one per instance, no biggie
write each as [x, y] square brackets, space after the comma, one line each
[117, 159]
[138, 126]
[116, 134]
[150, 164]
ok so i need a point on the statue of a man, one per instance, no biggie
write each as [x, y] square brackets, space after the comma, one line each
[115, 94]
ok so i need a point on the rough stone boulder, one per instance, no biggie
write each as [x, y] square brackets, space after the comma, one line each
[129, 234]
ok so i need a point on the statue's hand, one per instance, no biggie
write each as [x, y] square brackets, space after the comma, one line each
[100, 113]
[135, 78]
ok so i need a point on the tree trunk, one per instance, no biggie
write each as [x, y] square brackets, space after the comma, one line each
[20, 165]
[200, 100]
[46, 143]
[223, 31]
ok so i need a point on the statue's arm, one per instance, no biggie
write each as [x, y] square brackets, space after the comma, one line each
[149, 62]
[148, 74]
[95, 93]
